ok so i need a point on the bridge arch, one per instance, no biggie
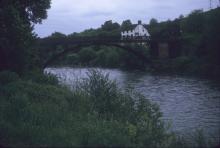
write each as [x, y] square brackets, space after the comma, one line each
[78, 47]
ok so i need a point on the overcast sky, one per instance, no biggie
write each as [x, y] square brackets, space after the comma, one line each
[68, 16]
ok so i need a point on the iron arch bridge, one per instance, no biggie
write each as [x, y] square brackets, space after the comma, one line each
[79, 43]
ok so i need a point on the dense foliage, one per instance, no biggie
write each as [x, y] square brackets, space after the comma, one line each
[96, 113]
[16, 38]
[194, 43]
[103, 56]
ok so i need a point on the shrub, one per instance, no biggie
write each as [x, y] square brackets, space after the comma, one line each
[141, 118]
[86, 55]
[38, 76]
[7, 77]
[97, 113]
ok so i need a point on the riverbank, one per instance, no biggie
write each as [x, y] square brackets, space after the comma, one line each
[95, 114]
[188, 102]
[36, 111]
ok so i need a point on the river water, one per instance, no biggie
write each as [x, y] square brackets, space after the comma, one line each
[188, 104]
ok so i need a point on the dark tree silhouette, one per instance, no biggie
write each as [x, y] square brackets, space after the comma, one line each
[17, 18]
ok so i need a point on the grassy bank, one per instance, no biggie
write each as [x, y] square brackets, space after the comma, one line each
[36, 111]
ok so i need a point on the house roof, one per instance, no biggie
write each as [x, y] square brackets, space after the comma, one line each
[133, 27]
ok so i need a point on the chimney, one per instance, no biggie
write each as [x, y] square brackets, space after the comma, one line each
[139, 22]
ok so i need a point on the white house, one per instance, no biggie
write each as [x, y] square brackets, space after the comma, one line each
[138, 32]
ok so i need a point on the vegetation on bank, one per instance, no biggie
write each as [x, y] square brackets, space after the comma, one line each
[103, 56]
[36, 111]
[96, 113]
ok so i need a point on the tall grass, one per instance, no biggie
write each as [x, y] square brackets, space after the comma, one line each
[36, 111]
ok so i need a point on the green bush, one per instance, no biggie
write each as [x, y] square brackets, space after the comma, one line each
[33, 113]
[86, 55]
[38, 76]
[97, 113]
[138, 117]
[7, 77]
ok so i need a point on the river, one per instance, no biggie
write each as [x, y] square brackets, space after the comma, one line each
[187, 103]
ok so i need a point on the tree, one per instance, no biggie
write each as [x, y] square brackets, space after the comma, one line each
[181, 16]
[57, 35]
[153, 21]
[194, 22]
[17, 19]
[109, 26]
[126, 25]
[110, 30]
[86, 55]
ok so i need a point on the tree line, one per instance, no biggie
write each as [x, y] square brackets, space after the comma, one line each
[193, 42]
[193, 45]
